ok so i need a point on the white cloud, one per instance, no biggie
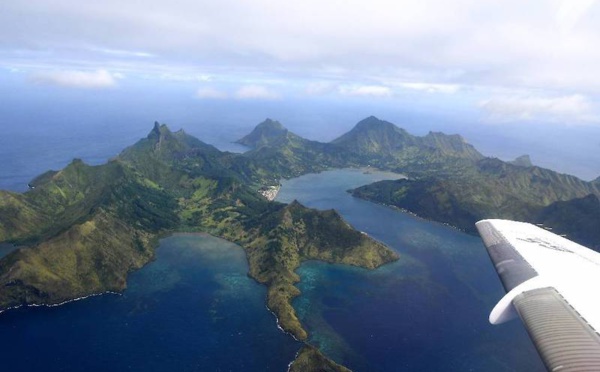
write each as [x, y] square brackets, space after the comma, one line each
[432, 88]
[256, 92]
[571, 11]
[530, 44]
[77, 79]
[366, 90]
[185, 77]
[320, 87]
[210, 93]
[123, 53]
[570, 109]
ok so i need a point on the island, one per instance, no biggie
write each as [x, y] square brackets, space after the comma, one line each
[84, 228]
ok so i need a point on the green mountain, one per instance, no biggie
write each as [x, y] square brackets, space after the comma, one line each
[382, 144]
[279, 239]
[265, 133]
[492, 189]
[450, 181]
[84, 228]
[376, 138]
[578, 219]
[279, 153]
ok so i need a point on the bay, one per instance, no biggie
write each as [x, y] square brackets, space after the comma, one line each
[426, 312]
[192, 309]
[195, 309]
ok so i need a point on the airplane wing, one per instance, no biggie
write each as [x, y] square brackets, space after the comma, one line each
[553, 284]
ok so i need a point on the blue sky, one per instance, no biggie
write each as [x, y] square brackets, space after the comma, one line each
[498, 64]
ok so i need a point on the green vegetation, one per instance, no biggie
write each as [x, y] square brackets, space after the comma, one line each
[310, 359]
[495, 189]
[85, 228]
[283, 236]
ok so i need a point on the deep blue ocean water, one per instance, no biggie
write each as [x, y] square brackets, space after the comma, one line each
[195, 309]
[192, 309]
[426, 312]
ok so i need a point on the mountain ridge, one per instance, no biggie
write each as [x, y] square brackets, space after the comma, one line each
[87, 227]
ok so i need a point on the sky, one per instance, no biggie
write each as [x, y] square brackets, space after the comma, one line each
[504, 66]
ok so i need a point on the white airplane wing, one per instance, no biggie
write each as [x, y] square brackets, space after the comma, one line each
[553, 284]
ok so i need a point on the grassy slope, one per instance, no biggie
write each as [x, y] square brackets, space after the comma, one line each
[98, 224]
[495, 190]
[310, 359]
[87, 227]
[281, 238]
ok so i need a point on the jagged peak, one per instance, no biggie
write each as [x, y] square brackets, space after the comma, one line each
[159, 130]
[295, 204]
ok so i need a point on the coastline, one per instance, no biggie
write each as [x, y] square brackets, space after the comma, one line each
[63, 302]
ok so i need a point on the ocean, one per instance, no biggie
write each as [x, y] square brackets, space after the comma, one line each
[192, 309]
[195, 309]
[426, 312]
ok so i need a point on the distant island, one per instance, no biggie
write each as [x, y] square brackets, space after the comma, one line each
[84, 228]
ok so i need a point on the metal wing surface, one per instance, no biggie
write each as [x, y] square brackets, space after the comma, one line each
[553, 284]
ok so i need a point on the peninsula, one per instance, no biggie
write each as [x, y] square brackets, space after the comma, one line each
[84, 228]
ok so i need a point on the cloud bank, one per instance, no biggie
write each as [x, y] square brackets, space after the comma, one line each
[350, 48]
[210, 93]
[77, 79]
[256, 92]
[572, 109]
[366, 90]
